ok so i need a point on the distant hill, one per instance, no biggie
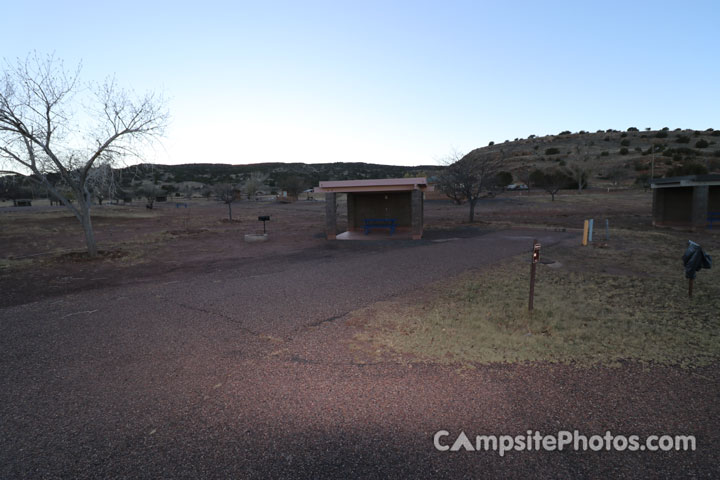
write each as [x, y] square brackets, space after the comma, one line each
[625, 155]
[609, 156]
[199, 174]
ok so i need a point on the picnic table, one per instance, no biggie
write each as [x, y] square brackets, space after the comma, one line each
[375, 223]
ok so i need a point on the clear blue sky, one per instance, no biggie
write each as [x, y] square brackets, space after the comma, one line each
[386, 82]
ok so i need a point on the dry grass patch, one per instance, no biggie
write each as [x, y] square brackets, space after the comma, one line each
[601, 306]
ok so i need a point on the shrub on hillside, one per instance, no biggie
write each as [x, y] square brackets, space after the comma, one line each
[687, 169]
[552, 151]
[625, 143]
[682, 139]
[624, 151]
[503, 179]
[632, 129]
[661, 134]
[565, 132]
[701, 143]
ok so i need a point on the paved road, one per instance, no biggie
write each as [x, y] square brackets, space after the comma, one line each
[242, 371]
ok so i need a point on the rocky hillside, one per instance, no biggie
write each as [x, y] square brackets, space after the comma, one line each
[614, 156]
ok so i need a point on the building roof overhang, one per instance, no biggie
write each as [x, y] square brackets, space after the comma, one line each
[686, 181]
[375, 185]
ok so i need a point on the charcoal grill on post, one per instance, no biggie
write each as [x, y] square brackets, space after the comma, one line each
[264, 218]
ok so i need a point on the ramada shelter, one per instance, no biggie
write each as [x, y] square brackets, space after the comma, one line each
[382, 208]
[691, 201]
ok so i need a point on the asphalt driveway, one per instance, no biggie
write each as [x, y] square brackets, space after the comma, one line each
[244, 370]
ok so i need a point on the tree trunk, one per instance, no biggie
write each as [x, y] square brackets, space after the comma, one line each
[86, 222]
[230, 211]
[472, 211]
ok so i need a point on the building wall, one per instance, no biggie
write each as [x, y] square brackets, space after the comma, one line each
[677, 203]
[714, 199]
[395, 205]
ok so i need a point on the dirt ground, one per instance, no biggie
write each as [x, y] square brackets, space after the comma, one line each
[183, 352]
[42, 246]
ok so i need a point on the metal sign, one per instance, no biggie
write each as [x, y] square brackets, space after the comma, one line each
[536, 253]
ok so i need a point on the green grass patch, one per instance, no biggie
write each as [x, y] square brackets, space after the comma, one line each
[601, 306]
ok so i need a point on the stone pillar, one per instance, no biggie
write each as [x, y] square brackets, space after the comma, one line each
[658, 206]
[699, 207]
[416, 214]
[330, 215]
[351, 211]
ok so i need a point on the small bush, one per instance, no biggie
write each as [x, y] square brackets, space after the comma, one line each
[632, 129]
[624, 151]
[552, 151]
[607, 139]
[491, 144]
[604, 154]
[638, 149]
[661, 134]
[665, 129]
[701, 143]
[625, 143]
[682, 139]
[715, 133]
[565, 132]
[623, 135]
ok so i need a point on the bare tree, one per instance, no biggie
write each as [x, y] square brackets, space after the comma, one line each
[617, 174]
[579, 174]
[469, 176]
[102, 182]
[448, 180]
[551, 180]
[227, 194]
[254, 183]
[293, 185]
[45, 128]
[149, 192]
